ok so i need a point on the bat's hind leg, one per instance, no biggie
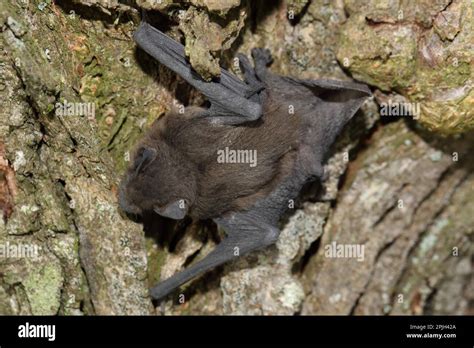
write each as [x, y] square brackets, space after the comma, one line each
[245, 233]
[249, 230]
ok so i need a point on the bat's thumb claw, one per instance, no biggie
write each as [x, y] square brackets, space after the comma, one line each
[144, 15]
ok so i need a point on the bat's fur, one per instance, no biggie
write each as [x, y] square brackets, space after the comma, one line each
[186, 165]
[177, 159]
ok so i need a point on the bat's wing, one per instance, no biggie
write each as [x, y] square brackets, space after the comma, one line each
[329, 98]
[325, 106]
[229, 97]
[334, 103]
[246, 232]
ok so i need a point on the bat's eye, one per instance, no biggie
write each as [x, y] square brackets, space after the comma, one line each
[144, 157]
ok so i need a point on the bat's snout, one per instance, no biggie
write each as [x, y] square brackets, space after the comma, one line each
[124, 204]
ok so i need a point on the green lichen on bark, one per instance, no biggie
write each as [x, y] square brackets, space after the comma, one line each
[209, 27]
[205, 38]
[64, 198]
[66, 168]
[421, 50]
[43, 287]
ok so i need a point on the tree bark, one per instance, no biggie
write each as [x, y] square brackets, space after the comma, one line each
[401, 192]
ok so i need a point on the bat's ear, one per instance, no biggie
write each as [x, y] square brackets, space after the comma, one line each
[175, 210]
[145, 156]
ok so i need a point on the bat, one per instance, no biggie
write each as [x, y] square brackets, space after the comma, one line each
[240, 161]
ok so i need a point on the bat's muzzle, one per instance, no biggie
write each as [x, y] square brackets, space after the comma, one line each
[124, 204]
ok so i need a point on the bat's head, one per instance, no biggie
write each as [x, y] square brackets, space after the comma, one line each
[159, 179]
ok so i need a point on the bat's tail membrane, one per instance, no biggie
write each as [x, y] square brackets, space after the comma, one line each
[229, 93]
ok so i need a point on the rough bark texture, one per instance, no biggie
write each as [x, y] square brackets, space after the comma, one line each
[403, 192]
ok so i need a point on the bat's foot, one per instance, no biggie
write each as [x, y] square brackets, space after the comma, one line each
[227, 93]
[256, 86]
[262, 57]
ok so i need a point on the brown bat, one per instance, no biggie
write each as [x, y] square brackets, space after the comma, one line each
[239, 162]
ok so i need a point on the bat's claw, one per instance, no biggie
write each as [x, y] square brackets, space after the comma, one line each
[262, 56]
